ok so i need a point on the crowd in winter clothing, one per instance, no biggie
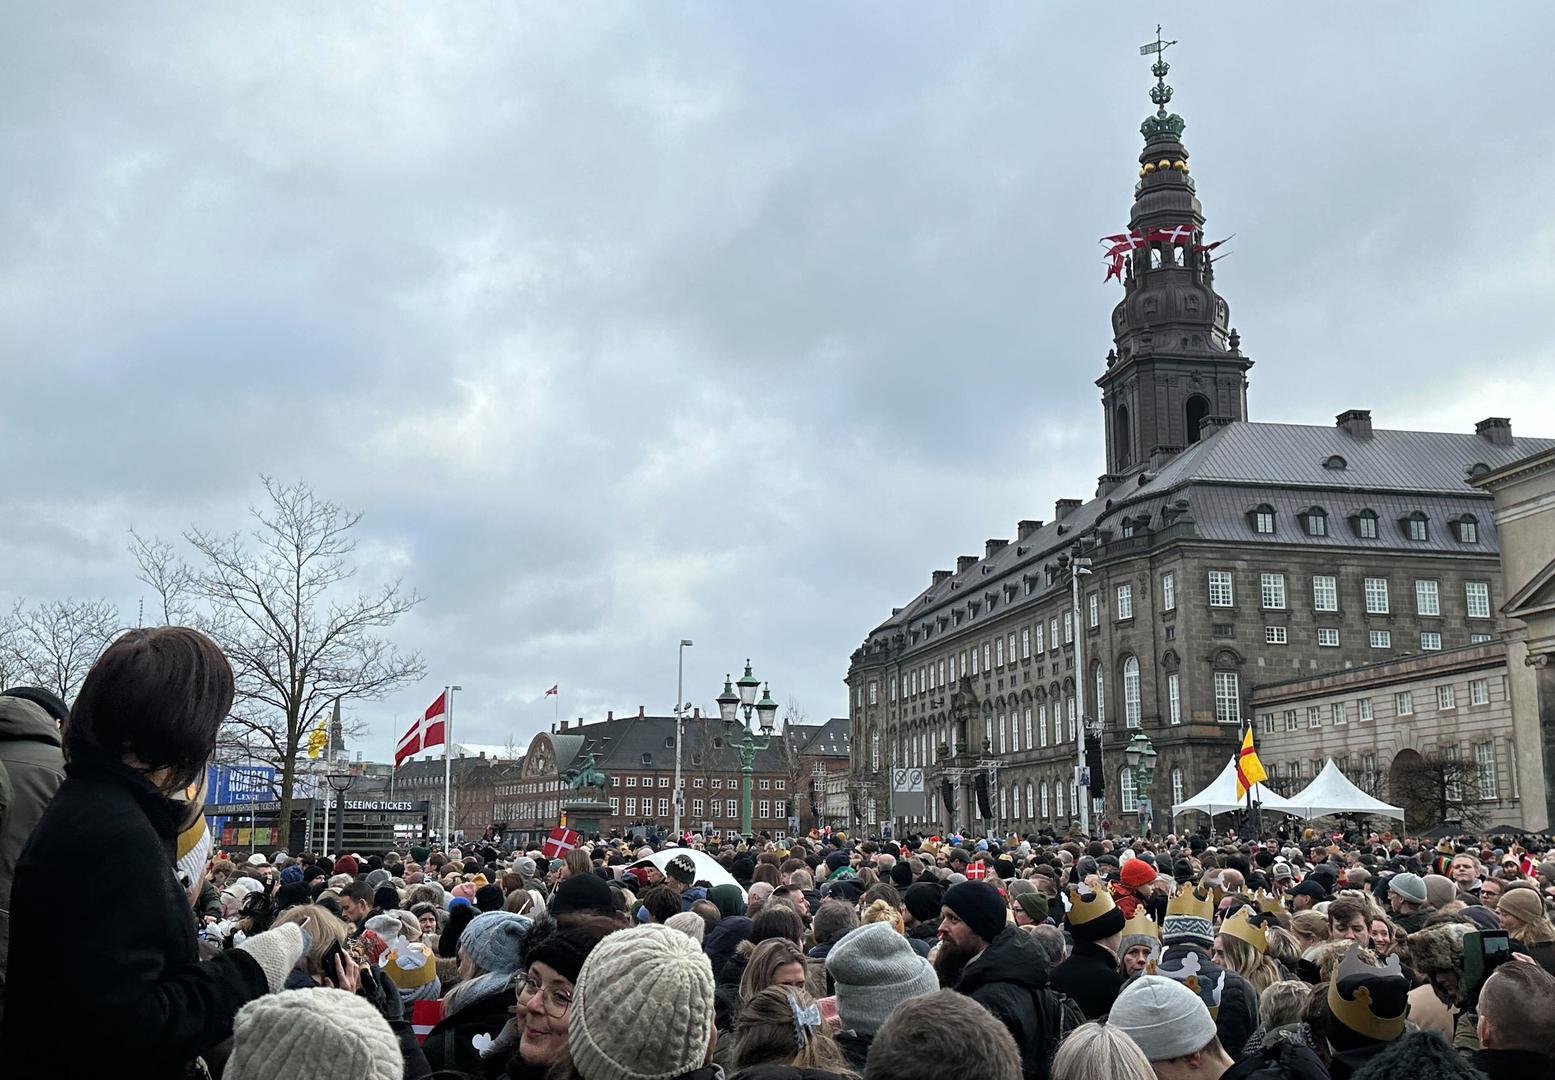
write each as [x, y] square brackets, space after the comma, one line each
[135, 948]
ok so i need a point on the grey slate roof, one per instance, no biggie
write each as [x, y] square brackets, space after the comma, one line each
[829, 739]
[1242, 464]
[648, 742]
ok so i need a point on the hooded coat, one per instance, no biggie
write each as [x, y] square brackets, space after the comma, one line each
[1010, 979]
[34, 766]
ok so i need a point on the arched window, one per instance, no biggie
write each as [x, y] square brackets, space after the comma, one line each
[1101, 694]
[1126, 790]
[1131, 692]
[1121, 442]
[1365, 524]
[1001, 733]
[1468, 529]
[1029, 743]
[1031, 803]
[1261, 518]
[1177, 788]
[1042, 722]
[1058, 798]
[1195, 410]
[1043, 789]
[1014, 802]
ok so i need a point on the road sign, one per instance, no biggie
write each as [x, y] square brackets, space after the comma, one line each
[908, 797]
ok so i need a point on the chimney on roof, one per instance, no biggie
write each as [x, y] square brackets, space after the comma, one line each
[696, 713]
[564, 725]
[1025, 528]
[1498, 429]
[938, 576]
[991, 546]
[1064, 507]
[642, 711]
[1355, 423]
[964, 561]
[482, 754]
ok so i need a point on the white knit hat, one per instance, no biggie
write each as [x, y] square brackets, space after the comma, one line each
[643, 1007]
[1163, 1016]
[313, 1034]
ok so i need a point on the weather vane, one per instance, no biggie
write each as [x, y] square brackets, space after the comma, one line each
[1161, 123]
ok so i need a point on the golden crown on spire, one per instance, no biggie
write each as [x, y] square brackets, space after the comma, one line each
[1239, 924]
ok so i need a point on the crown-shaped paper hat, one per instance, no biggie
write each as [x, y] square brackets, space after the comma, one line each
[1268, 903]
[1191, 903]
[1239, 924]
[1141, 924]
[1370, 1000]
[1086, 907]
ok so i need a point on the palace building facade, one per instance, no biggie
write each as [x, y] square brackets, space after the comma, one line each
[1218, 554]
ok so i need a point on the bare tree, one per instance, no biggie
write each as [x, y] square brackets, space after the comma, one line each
[54, 644]
[279, 601]
[1436, 788]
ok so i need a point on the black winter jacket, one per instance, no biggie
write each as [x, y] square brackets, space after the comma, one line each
[1090, 975]
[1010, 979]
[34, 768]
[1229, 997]
[120, 967]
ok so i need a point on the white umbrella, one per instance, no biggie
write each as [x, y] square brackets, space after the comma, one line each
[1220, 797]
[1331, 792]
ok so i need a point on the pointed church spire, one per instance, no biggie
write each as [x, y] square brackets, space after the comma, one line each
[1175, 365]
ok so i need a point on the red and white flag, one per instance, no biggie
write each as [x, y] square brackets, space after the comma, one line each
[976, 871]
[426, 732]
[424, 1016]
[1177, 234]
[561, 841]
[552, 692]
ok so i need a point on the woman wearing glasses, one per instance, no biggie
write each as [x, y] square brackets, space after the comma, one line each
[536, 1038]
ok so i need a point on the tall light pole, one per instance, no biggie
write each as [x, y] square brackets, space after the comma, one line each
[680, 713]
[341, 783]
[448, 771]
[1080, 567]
[1140, 757]
[748, 745]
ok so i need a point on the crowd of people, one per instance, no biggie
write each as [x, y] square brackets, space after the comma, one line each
[132, 948]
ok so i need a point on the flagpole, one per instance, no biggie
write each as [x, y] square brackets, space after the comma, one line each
[448, 738]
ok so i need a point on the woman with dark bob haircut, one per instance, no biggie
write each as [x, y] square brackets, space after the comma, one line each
[116, 961]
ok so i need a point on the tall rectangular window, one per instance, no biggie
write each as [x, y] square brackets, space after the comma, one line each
[1363, 709]
[1366, 525]
[1445, 698]
[1127, 794]
[1479, 691]
[1029, 742]
[1068, 627]
[1174, 698]
[1221, 591]
[1268, 723]
[1025, 643]
[1290, 719]
[974, 661]
[1328, 637]
[1417, 529]
[1485, 760]
[1168, 592]
[1052, 626]
[1093, 610]
[1427, 599]
[1041, 647]
[1404, 703]
[1271, 588]
[1477, 594]
[1125, 602]
[1314, 716]
[1325, 592]
[872, 692]
[999, 652]
[664, 807]
[1263, 521]
[1341, 715]
[987, 657]
[1228, 697]
[1376, 596]
[1042, 725]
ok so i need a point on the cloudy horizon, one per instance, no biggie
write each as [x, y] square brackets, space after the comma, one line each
[623, 325]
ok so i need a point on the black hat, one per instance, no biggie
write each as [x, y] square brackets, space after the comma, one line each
[901, 874]
[1311, 888]
[682, 869]
[980, 906]
[923, 900]
[583, 892]
[1369, 1002]
[387, 898]
[489, 897]
[1182, 870]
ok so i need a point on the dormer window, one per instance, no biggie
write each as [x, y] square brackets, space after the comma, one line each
[1262, 518]
[1126, 529]
[1365, 524]
[1468, 529]
[1315, 519]
[1336, 463]
[1414, 527]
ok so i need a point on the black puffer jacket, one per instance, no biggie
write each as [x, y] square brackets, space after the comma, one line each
[1010, 979]
[126, 969]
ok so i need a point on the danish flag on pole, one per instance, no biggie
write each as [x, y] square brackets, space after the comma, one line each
[561, 841]
[426, 732]
[552, 692]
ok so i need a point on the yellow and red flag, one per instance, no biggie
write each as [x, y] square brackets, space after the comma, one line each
[1249, 770]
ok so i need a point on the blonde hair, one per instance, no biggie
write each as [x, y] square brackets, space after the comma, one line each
[324, 929]
[1100, 1052]
[1249, 963]
[768, 1033]
[1312, 925]
[883, 911]
[1282, 1003]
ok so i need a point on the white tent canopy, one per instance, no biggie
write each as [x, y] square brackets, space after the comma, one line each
[1331, 792]
[708, 868]
[1220, 797]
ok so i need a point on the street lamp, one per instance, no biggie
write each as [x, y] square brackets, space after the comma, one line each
[730, 703]
[1140, 757]
[680, 712]
[340, 783]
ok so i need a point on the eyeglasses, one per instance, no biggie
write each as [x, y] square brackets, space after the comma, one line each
[554, 1002]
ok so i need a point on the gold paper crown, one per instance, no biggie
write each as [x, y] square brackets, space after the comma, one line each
[1357, 1011]
[1239, 924]
[1268, 903]
[1082, 910]
[1141, 925]
[1191, 903]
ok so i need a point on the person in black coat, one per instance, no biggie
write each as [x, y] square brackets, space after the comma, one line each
[1091, 974]
[115, 961]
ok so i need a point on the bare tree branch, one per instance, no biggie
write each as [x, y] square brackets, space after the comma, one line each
[54, 644]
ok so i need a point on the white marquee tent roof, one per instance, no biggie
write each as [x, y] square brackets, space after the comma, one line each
[1220, 797]
[1331, 792]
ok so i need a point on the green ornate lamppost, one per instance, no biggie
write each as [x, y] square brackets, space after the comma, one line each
[737, 696]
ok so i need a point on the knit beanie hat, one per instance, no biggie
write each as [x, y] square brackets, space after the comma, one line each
[1524, 904]
[583, 892]
[315, 1033]
[682, 869]
[979, 905]
[642, 1008]
[875, 970]
[193, 851]
[1439, 890]
[526, 866]
[561, 948]
[494, 941]
[923, 900]
[1164, 1017]
[689, 923]
[489, 897]
[291, 873]
[1035, 905]
[901, 874]
[379, 877]
[1137, 873]
[1410, 886]
[346, 864]
[730, 900]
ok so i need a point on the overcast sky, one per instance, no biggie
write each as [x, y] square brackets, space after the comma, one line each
[625, 323]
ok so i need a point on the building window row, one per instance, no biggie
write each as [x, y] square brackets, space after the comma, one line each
[1313, 521]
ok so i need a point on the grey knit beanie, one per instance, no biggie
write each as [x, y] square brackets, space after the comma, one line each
[875, 970]
[1163, 1016]
[643, 1007]
[313, 1034]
